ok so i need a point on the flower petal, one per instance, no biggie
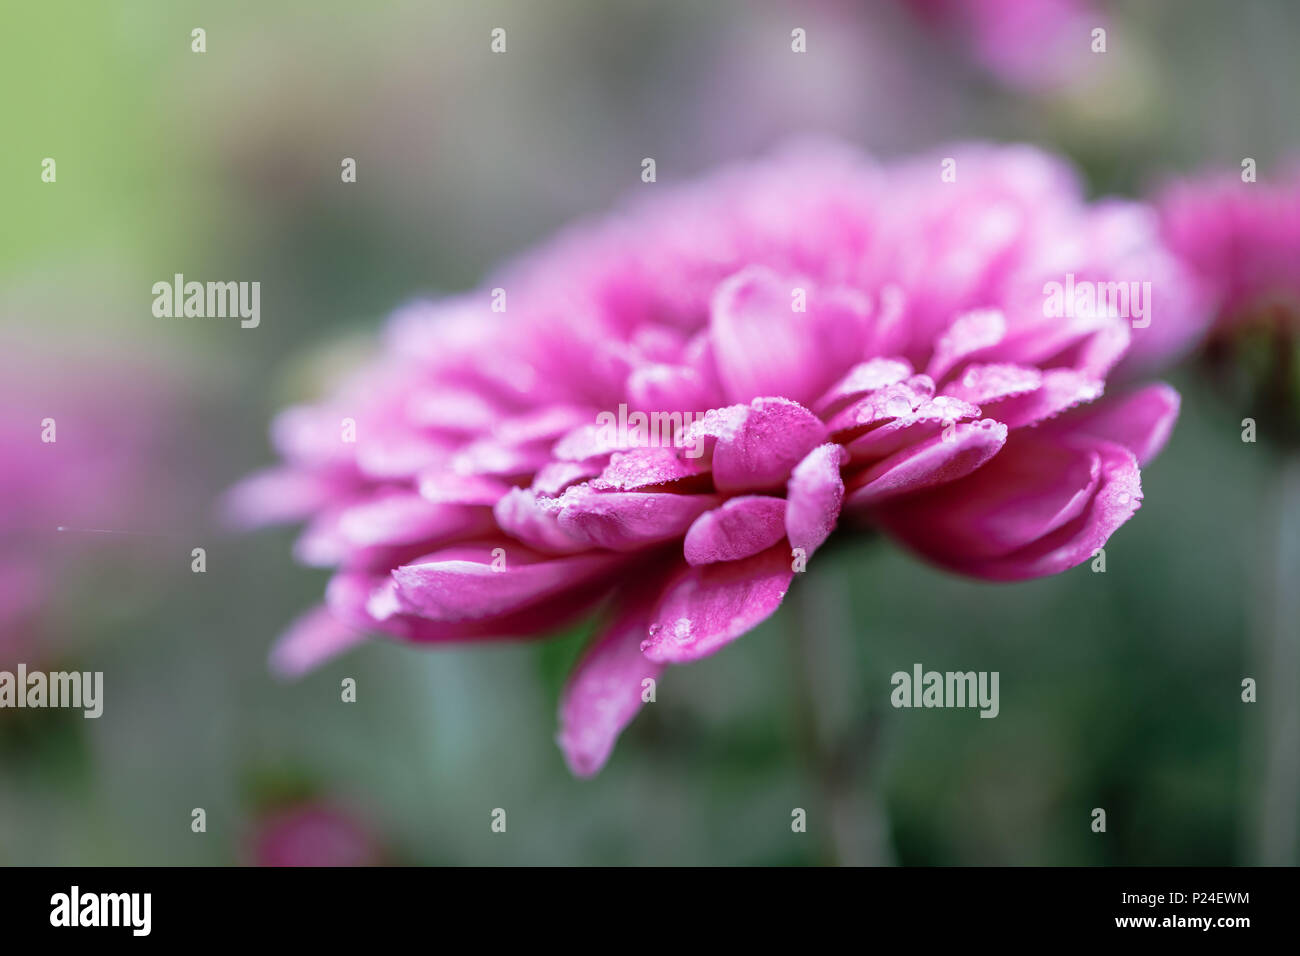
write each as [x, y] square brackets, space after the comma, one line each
[466, 583]
[969, 335]
[555, 476]
[1141, 421]
[1033, 506]
[1061, 389]
[991, 383]
[690, 386]
[278, 495]
[898, 400]
[627, 520]
[813, 498]
[535, 522]
[407, 518]
[605, 690]
[1116, 500]
[1028, 490]
[910, 428]
[708, 607]
[741, 527]
[645, 468]
[759, 445]
[952, 454]
[368, 601]
[447, 487]
[862, 379]
[313, 638]
[762, 346]
[395, 455]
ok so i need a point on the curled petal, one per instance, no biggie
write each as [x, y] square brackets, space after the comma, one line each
[596, 441]
[762, 346]
[470, 582]
[911, 428]
[992, 383]
[862, 379]
[741, 527]
[387, 529]
[954, 453]
[762, 443]
[1141, 421]
[969, 335]
[605, 690]
[1060, 390]
[898, 400]
[368, 601]
[1036, 508]
[645, 468]
[627, 520]
[1090, 344]
[663, 385]
[309, 641]
[708, 607]
[535, 522]
[813, 498]
[556, 476]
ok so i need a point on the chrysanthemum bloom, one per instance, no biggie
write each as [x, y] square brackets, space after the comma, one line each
[80, 442]
[1242, 242]
[1242, 239]
[813, 342]
[1026, 44]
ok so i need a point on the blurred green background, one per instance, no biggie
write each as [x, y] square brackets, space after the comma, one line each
[1119, 690]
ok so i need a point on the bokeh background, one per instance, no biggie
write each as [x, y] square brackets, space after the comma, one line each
[1118, 690]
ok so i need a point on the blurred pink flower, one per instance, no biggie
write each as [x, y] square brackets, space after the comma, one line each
[314, 834]
[1026, 44]
[838, 339]
[79, 449]
[1242, 240]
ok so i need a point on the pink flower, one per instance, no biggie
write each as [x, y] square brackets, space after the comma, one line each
[1242, 240]
[842, 343]
[314, 834]
[81, 442]
[1026, 44]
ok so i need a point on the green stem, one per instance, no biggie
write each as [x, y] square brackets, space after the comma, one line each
[1277, 655]
[838, 743]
